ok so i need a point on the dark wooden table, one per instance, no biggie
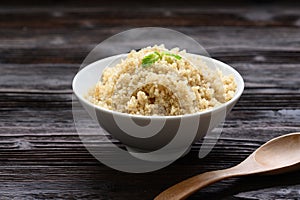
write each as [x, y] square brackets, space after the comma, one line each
[42, 47]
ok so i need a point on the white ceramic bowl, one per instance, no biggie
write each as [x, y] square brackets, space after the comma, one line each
[153, 132]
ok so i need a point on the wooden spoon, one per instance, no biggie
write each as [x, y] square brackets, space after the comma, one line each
[279, 155]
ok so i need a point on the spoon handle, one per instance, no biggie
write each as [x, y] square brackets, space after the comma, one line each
[187, 187]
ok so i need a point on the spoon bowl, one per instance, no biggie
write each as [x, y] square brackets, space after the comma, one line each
[279, 152]
[279, 155]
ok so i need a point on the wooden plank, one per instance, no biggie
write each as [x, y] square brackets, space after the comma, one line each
[238, 55]
[43, 128]
[152, 15]
[48, 77]
[213, 38]
[58, 77]
[96, 180]
[271, 193]
[20, 101]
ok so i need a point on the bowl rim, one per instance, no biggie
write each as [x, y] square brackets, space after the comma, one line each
[236, 96]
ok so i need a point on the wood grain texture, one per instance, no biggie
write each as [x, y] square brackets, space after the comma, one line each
[42, 46]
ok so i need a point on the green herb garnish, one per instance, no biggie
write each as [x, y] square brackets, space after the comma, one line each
[160, 56]
[150, 59]
[173, 55]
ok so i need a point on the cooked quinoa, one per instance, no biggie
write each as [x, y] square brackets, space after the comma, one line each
[173, 83]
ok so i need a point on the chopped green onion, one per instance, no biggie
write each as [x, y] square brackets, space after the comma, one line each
[150, 59]
[173, 55]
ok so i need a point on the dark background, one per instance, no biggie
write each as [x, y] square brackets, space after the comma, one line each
[42, 44]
